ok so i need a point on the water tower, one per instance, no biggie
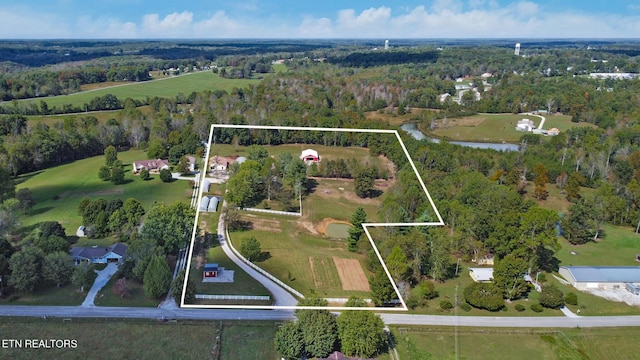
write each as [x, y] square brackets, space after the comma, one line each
[386, 44]
[517, 51]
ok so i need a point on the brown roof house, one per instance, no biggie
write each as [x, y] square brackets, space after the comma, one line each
[153, 166]
[221, 163]
[100, 254]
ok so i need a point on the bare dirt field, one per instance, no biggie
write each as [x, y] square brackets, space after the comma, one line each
[351, 274]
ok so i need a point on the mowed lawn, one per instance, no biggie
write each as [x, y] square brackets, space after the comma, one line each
[116, 339]
[618, 247]
[167, 87]
[58, 190]
[288, 257]
[473, 343]
[495, 127]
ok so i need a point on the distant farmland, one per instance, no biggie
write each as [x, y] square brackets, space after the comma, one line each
[168, 88]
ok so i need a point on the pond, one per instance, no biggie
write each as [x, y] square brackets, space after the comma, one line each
[418, 135]
[338, 230]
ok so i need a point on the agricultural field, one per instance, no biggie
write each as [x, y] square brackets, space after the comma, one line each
[473, 343]
[58, 190]
[167, 88]
[102, 116]
[492, 127]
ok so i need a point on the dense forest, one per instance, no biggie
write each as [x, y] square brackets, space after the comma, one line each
[480, 193]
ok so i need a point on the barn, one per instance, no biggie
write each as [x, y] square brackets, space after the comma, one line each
[600, 277]
[210, 270]
[310, 156]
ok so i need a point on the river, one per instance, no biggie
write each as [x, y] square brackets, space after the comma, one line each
[413, 130]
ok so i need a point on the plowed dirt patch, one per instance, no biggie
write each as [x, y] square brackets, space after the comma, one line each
[351, 274]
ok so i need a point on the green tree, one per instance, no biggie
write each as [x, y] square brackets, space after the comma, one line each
[508, 275]
[117, 175]
[25, 199]
[157, 277]
[257, 153]
[83, 276]
[246, 186]
[289, 341]
[57, 268]
[551, 297]
[53, 244]
[111, 155]
[356, 231]
[48, 228]
[363, 182]
[484, 296]
[169, 226]
[319, 332]
[157, 149]
[165, 175]
[540, 182]
[361, 333]
[26, 269]
[250, 248]
[382, 292]
[7, 186]
[177, 285]
[572, 190]
[579, 226]
[183, 166]
[104, 173]
[144, 174]
[397, 264]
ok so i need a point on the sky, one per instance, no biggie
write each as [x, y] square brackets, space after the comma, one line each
[319, 19]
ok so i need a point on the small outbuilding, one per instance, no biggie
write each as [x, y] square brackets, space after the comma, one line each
[213, 204]
[481, 274]
[204, 203]
[210, 270]
[81, 231]
[310, 156]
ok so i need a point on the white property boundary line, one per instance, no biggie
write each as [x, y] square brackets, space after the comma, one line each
[365, 226]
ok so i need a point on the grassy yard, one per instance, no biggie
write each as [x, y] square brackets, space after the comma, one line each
[475, 343]
[118, 339]
[106, 296]
[67, 295]
[493, 127]
[291, 251]
[248, 340]
[618, 247]
[58, 190]
[169, 87]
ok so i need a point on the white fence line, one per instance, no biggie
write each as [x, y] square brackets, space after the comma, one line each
[344, 300]
[276, 212]
[258, 269]
[233, 297]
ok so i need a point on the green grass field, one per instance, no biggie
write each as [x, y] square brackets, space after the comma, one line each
[136, 298]
[475, 343]
[290, 250]
[124, 339]
[168, 88]
[58, 190]
[67, 295]
[618, 247]
[494, 127]
[246, 340]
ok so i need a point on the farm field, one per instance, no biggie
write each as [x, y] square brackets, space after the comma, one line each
[474, 343]
[168, 87]
[58, 190]
[493, 127]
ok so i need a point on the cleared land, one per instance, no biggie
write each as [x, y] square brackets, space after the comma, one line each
[493, 127]
[351, 274]
[58, 190]
[168, 87]
[323, 271]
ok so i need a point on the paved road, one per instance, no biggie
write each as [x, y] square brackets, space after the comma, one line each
[281, 315]
[103, 278]
[281, 296]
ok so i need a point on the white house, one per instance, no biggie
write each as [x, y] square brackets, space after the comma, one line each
[525, 125]
[310, 156]
[99, 255]
[153, 166]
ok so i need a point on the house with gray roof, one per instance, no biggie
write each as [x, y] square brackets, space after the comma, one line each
[600, 277]
[100, 254]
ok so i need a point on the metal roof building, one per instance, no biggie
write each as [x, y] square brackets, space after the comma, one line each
[600, 277]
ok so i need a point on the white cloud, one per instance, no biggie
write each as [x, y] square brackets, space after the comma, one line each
[315, 28]
[372, 16]
[21, 22]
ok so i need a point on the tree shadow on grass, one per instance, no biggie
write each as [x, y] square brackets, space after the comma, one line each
[265, 255]
[38, 211]
[312, 184]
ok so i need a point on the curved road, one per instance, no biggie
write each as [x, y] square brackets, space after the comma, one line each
[281, 296]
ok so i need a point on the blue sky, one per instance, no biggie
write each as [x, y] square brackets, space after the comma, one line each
[123, 19]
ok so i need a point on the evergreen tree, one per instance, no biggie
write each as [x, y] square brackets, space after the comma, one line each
[356, 231]
[157, 277]
[111, 155]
